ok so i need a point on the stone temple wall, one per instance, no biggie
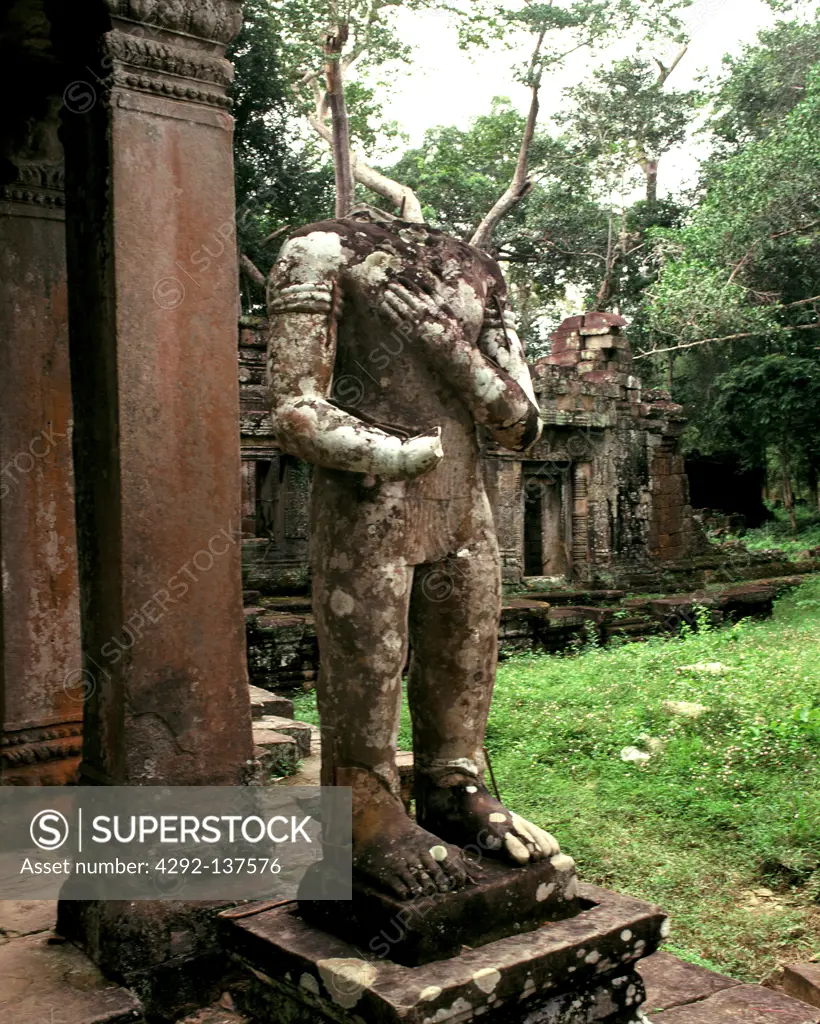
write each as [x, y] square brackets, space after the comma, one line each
[603, 496]
[274, 486]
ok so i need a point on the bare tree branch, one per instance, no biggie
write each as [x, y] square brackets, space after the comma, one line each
[778, 234]
[520, 184]
[801, 302]
[400, 195]
[727, 337]
[251, 271]
[275, 234]
[665, 72]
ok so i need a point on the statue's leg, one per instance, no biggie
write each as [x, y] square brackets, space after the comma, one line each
[360, 603]
[454, 615]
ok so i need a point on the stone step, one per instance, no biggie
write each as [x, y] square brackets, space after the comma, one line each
[289, 603]
[802, 981]
[25, 917]
[740, 1004]
[276, 753]
[564, 618]
[43, 982]
[302, 974]
[263, 702]
[565, 597]
[300, 732]
[672, 982]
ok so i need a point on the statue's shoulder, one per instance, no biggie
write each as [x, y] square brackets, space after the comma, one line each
[339, 241]
[341, 227]
[314, 252]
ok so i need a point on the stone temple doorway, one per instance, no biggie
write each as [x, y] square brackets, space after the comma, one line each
[547, 522]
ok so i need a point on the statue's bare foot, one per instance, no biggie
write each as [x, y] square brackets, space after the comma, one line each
[466, 813]
[393, 852]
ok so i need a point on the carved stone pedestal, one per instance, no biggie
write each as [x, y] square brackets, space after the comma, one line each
[576, 971]
[503, 901]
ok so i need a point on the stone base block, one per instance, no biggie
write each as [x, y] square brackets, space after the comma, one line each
[263, 702]
[267, 725]
[743, 1004]
[275, 753]
[803, 982]
[504, 901]
[577, 971]
[672, 982]
[166, 952]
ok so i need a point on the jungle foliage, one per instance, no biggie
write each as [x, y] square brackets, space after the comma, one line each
[721, 285]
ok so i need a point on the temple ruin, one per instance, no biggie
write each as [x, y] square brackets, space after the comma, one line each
[139, 475]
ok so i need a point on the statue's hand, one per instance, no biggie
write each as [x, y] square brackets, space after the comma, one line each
[414, 309]
[417, 455]
[495, 347]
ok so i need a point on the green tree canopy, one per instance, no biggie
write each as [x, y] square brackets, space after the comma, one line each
[739, 291]
[766, 81]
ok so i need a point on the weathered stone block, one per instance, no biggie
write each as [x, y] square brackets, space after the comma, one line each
[277, 754]
[504, 900]
[596, 320]
[672, 982]
[263, 702]
[273, 726]
[577, 971]
[742, 1004]
[802, 981]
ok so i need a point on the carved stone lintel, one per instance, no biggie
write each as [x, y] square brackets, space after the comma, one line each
[39, 183]
[161, 86]
[48, 755]
[163, 68]
[215, 20]
[154, 55]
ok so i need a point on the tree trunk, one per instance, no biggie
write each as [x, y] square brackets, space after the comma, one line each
[605, 291]
[340, 125]
[652, 181]
[519, 186]
[650, 170]
[814, 489]
[788, 496]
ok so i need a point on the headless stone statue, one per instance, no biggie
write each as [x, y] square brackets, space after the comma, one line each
[389, 344]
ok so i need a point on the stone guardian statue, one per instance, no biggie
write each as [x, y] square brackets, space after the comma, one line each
[390, 344]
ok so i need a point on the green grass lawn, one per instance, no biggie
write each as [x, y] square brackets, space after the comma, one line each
[728, 802]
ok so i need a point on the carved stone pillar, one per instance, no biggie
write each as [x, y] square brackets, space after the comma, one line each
[580, 518]
[503, 480]
[153, 290]
[153, 305]
[40, 701]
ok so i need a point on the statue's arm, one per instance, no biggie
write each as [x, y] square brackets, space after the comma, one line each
[500, 344]
[302, 306]
[492, 379]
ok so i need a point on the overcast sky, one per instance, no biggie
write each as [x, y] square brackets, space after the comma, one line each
[446, 87]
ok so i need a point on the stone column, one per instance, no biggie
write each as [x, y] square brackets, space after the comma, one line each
[503, 479]
[40, 700]
[580, 518]
[153, 307]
